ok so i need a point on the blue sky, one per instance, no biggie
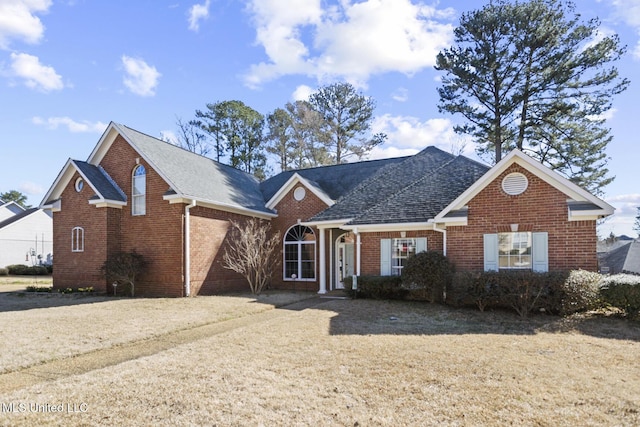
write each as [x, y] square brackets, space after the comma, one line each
[68, 68]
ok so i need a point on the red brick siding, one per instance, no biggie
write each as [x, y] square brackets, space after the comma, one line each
[209, 239]
[79, 269]
[540, 208]
[370, 247]
[290, 211]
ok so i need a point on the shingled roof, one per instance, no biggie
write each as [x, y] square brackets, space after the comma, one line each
[105, 186]
[334, 180]
[413, 189]
[193, 176]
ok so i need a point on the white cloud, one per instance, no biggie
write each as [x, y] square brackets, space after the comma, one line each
[198, 12]
[140, 78]
[629, 12]
[401, 95]
[18, 20]
[169, 136]
[350, 41]
[302, 93]
[35, 75]
[407, 135]
[621, 222]
[30, 188]
[71, 125]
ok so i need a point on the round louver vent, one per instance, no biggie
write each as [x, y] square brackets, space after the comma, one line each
[515, 183]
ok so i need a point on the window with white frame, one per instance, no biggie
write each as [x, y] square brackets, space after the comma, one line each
[514, 250]
[401, 250]
[394, 253]
[139, 191]
[517, 250]
[77, 239]
[300, 253]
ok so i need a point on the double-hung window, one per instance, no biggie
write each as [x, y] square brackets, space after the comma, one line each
[395, 252]
[516, 250]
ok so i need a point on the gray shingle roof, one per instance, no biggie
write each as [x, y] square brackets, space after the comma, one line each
[17, 217]
[101, 181]
[623, 259]
[414, 189]
[428, 195]
[335, 180]
[193, 176]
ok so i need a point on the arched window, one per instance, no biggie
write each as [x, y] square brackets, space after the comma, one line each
[139, 190]
[77, 239]
[300, 253]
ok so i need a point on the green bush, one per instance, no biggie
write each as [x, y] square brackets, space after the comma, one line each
[38, 289]
[25, 270]
[426, 275]
[457, 293]
[622, 291]
[4, 271]
[376, 287]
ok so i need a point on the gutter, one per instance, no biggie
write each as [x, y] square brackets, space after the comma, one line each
[444, 237]
[187, 248]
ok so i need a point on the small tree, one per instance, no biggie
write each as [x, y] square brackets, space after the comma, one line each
[252, 252]
[636, 225]
[124, 268]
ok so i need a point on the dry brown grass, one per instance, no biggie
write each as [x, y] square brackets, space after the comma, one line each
[364, 363]
[25, 281]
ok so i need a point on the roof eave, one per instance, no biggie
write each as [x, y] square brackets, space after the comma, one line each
[180, 198]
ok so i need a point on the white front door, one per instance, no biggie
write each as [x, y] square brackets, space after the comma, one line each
[344, 263]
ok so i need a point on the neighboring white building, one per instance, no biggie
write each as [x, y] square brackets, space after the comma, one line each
[26, 236]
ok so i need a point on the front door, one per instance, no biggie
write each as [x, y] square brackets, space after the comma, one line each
[344, 262]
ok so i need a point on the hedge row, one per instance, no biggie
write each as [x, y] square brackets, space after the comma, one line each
[429, 276]
[26, 270]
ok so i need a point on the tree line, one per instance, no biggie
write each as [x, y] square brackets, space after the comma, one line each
[331, 127]
[529, 74]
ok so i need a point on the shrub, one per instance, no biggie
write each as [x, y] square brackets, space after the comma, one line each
[427, 275]
[484, 289]
[574, 291]
[38, 289]
[124, 268]
[622, 291]
[25, 270]
[4, 271]
[17, 269]
[457, 293]
[376, 287]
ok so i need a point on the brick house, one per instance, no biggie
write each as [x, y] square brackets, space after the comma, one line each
[365, 218]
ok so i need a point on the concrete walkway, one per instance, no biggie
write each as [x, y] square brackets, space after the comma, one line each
[86, 362]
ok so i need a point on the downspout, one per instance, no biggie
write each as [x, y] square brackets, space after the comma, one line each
[444, 237]
[187, 248]
[358, 243]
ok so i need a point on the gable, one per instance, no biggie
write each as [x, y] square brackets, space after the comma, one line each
[293, 183]
[581, 205]
[189, 177]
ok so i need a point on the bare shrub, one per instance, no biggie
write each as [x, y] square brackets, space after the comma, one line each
[124, 268]
[251, 252]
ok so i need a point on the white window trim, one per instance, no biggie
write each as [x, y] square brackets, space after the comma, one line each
[387, 252]
[77, 239]
[142, 196]
[299, 260]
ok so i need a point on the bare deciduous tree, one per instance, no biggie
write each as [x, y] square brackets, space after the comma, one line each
[252, 252]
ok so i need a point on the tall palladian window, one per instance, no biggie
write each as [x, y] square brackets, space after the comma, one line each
[300, 253]
[139, 190]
